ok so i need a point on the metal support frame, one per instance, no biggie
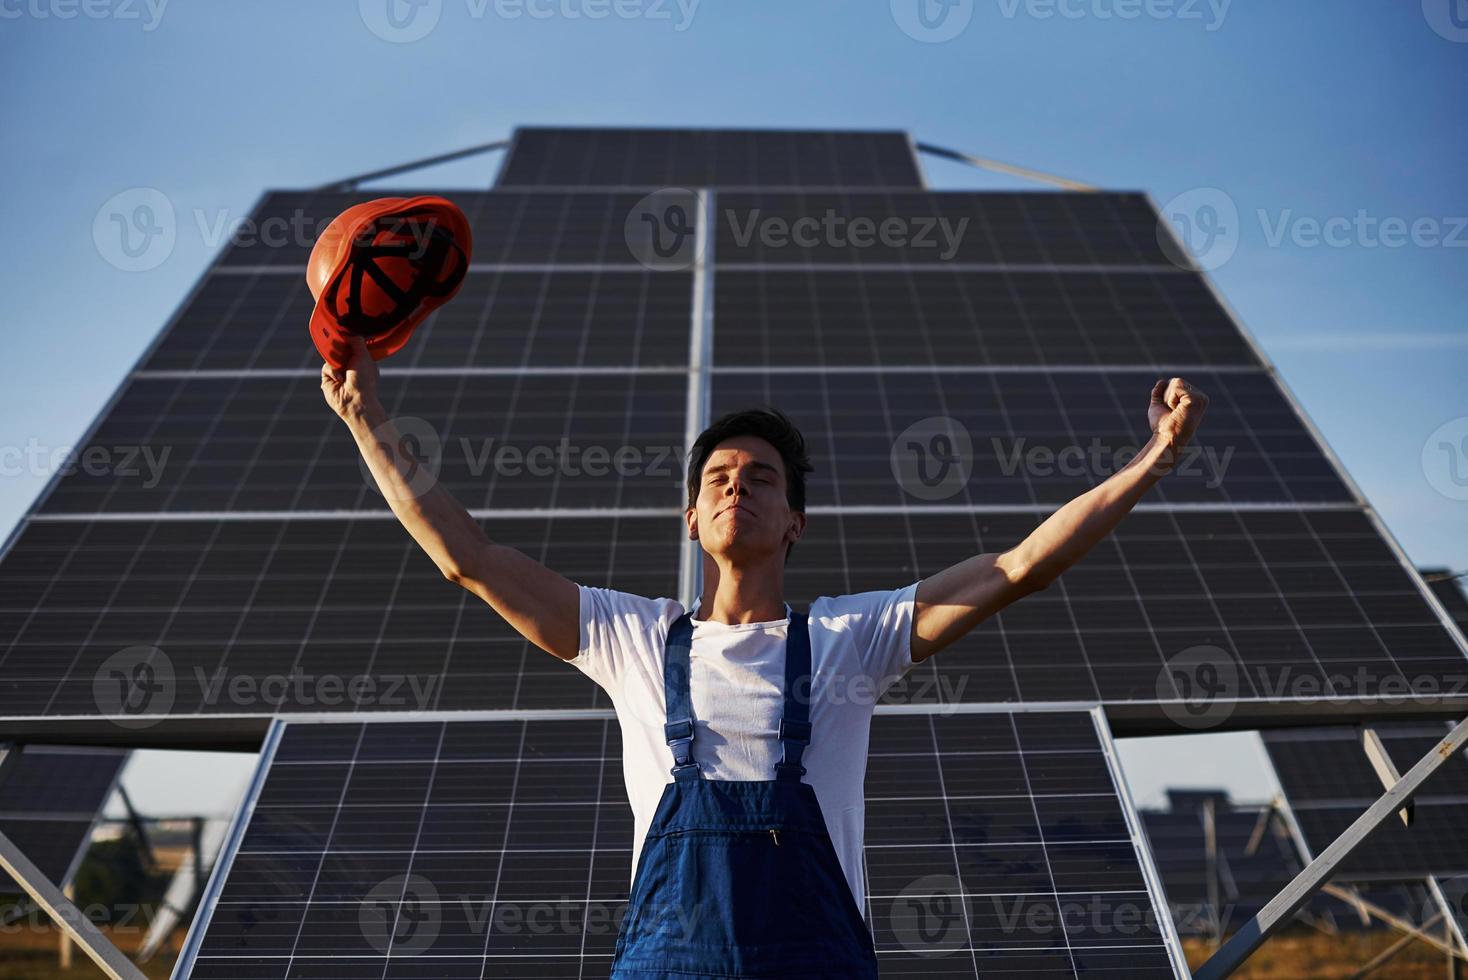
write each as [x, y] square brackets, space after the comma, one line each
[983, 163]
[350, 183]
[1370, 910]
[65, 914]
[1380, 959]
[1386, 770]
[1210, 863]
[1283, 906]
[136, 821]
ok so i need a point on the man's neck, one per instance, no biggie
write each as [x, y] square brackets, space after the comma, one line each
[733, 595]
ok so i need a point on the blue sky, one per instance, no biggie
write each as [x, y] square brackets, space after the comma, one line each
[1305, 110]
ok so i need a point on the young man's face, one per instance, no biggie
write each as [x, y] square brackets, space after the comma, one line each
[741, 510]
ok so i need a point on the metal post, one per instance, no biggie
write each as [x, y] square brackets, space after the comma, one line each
[1284, 905]
[65, 914]
[198, 854]
[136, 821]
[1210, 860]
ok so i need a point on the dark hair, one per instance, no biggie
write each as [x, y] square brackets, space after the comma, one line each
[769, 424]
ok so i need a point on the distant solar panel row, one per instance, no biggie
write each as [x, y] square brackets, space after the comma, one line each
[996, 844]
[1329, 782]
[49, 798]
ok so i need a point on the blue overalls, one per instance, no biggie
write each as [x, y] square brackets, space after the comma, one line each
[739, 878]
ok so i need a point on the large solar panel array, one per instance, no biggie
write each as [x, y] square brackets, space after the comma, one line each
[50, 799]
[1252, 863]
[996, 844]
[232, 535]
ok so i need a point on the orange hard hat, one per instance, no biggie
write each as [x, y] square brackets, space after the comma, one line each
[380, 268]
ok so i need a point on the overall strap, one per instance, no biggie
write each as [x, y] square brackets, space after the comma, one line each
[795, 720]
[679, 726]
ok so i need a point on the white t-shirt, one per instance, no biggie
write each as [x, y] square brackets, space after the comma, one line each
[860, 646]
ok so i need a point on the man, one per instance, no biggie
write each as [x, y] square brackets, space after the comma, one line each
[748, 850]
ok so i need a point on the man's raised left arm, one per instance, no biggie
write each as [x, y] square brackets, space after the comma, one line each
[957, 599]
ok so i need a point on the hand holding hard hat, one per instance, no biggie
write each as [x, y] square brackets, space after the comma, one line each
[380, 268]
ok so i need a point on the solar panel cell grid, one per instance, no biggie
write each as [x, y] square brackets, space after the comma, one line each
[254, 443]
[255, 616]
[1034, 437]
[491, 820]
[498, 320]
[506, 226]
[1307, 604]
[1012, 228]
[707, 158]
[952, 317]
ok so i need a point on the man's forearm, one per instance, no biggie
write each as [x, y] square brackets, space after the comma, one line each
[432, 515]
[1073, 530]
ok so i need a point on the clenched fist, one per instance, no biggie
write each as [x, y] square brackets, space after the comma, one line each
[1177, 408]
[350, 390]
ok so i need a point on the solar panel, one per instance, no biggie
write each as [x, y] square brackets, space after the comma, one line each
[995, 843]
[499, 319]
[1036, 341]
[270, 443]
[1309, 608]
[939, 228]
[576, 157]
[959, 317]
[1328, 781]
[508, 227]
[244, 618]
[50, 796]
[1023, 437]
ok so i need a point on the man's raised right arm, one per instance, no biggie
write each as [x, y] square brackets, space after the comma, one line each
[542, 605]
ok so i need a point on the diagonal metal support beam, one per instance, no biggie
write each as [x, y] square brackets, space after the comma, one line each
[1283, 906]
[1371, 910]
[1380, 959]
[350, 183]
[983, 163]
[65, 914]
